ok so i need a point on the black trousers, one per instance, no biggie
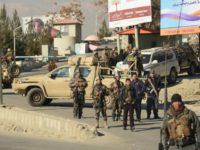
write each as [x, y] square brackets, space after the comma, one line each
[152, 105]
[128, 109]
[138, 107]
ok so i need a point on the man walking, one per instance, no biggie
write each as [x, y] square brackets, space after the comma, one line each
[78, 85]
[116, 88]
[181, 127]
[128, 95]
[153, 86]
[98, 93]
[139, 87]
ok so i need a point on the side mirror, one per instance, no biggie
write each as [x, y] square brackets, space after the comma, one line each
[53, 76]
[154, 61]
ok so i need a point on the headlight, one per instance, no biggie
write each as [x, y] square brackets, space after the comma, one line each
[19, 81]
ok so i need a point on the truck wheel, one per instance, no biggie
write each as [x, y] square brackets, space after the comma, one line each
[36, 97]
[192, 69]
[48, 101]
[172, 76]
[14, 71]
[108, 102]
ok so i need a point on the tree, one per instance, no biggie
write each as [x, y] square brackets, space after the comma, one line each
[5, 29]
[104, 30]
[71, 11]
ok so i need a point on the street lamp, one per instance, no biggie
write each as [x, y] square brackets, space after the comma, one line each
[1, 85]
[14, 38]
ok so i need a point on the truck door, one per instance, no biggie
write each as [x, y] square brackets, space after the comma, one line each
[58, 84]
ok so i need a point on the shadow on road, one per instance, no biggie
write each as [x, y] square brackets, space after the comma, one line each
[146, 129]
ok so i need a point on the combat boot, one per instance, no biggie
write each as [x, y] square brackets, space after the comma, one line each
[106, 124]
[97, 124]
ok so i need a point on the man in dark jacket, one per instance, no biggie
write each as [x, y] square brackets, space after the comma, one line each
[153, 86]
[181, 127]
[128, 98]
[139, 87]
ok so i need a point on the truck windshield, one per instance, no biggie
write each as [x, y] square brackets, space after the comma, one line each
[146, 58]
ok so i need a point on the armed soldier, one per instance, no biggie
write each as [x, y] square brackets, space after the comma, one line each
[98, 93]
[181, 127]
[153, 86]
[78, 85]
[9, 56]
[116, 88]
[128, 96]
[139, 87]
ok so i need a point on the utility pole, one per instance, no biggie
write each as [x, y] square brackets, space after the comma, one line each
[136, 29]
[1, 85]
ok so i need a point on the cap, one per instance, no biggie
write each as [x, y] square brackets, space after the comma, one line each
[176, 98]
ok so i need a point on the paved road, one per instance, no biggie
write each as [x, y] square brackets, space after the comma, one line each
[24, 142]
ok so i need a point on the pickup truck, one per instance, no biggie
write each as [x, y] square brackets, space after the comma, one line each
[42, 89]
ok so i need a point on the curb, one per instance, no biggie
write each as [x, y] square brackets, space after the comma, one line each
[42, 123]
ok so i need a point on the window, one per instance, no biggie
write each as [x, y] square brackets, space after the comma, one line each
[145, 58]
[161, 57]
[169, 55]
[155, 57]
[85, 71]
[62, 72]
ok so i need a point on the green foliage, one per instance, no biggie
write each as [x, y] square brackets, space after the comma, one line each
[26, 44]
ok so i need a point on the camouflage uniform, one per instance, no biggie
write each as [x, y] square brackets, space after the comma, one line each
[116, 89]
[98, 93]
[9, 56]
[181, 131]
[78, 86]
[128, 96]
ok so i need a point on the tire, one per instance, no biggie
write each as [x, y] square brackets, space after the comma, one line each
[172, 76]
[14, 71]
[36, 97]
[192, 69]
[108, 102]
[48, 101]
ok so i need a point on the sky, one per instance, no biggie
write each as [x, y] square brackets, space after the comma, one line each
[28, 8]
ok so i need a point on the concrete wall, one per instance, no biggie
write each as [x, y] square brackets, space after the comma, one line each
[45, 124]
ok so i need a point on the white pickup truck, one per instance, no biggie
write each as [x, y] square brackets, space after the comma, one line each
[154, 59]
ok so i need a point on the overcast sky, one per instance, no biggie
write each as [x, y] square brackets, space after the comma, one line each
[28, 8]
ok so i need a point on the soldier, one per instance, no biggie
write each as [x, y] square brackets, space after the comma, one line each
[9, 56]
[128, 95]
[116, 88]
[78, 85]
[98, 93]
[181, 127]
[153, 86]
[95, 59]
[52, 65]
[139, 87]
